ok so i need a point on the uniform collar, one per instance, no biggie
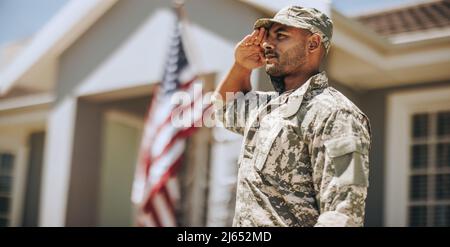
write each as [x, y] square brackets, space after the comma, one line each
[295, 99]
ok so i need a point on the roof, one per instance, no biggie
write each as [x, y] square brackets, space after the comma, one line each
[412, 18]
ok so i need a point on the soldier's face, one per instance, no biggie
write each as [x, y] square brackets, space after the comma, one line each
[285, 50]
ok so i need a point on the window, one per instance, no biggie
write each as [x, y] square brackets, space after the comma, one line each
[6, 171]
[429, 180]
[417, 149]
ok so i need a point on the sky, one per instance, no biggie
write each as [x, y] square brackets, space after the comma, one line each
[20, 19]
[355, 7]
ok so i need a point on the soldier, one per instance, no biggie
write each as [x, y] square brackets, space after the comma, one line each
[304, 159]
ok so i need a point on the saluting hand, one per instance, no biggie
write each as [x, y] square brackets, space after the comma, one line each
[248, 52]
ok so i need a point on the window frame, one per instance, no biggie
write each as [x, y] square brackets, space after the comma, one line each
[401, 106]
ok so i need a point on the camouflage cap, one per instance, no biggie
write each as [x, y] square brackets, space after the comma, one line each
[304, 18]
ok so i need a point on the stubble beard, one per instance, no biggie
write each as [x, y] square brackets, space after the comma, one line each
[288, 62]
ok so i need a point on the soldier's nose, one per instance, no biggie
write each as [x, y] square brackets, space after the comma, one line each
[267, 46]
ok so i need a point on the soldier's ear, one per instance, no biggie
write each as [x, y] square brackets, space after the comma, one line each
[314, 42]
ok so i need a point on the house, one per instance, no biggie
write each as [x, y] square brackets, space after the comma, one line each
[73, 100]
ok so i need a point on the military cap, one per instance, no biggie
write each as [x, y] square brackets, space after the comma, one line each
[304, 18]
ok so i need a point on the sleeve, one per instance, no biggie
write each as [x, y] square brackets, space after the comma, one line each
[341, 169]
[235, 113]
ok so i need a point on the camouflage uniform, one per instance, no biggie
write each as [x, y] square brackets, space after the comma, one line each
[304, 159]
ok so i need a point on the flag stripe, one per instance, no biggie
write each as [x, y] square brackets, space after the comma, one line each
[181, 134]
[168, 199]
[172, 169]
[150, 208]
[172, 187]
[162, 208]
[165, 162]
[166, 125]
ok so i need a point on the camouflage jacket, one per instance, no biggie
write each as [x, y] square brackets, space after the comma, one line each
[304, 159]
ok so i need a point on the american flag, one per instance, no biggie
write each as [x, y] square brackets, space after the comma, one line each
[155, 188]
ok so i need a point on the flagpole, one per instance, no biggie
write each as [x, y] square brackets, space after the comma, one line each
[178, 5]
[190, 49]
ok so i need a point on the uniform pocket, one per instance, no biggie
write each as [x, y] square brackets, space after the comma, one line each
[264, 145]
[347, 156]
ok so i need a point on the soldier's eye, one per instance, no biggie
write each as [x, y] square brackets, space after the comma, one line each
[281, 36]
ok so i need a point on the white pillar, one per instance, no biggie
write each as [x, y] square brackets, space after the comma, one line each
[57, 163]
